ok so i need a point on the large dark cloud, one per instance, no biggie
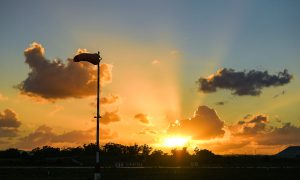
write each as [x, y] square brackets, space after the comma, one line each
[44, 135]
[205, 124]
[52, 79]
[243, 82]
[9, 123]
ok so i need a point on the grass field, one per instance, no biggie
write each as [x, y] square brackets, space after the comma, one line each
[151, 173]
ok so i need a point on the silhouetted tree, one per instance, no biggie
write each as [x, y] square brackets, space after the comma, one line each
[89, 149]
[156, 157]
[145, 152]
[132, 152]
[112, 153]
[72, 151]
[181, 157]
[204, 156]
[46, 151]
[203, 153]
[10, 153]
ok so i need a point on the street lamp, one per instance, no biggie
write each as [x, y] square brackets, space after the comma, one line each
[95, 60]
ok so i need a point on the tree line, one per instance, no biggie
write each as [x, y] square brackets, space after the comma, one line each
[118, 155]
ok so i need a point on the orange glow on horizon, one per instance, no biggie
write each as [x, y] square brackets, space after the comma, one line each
[176, 141]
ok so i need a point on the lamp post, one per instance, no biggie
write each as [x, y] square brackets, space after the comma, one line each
[95, 60]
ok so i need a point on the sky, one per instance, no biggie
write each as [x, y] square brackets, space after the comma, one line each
[217, 75]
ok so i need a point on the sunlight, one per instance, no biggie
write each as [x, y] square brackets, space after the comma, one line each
[176, 141]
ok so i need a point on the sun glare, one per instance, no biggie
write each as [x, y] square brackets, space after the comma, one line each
[176, 141]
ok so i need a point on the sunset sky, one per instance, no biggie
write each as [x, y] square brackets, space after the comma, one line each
[218, 75]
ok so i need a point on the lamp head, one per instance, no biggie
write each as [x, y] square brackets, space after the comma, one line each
[93, 58]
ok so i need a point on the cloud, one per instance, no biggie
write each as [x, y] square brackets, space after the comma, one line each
[8, 132]
[52, 79]
[147, 131]
[143, 118]
[252, 134]
[74, 136]
[9, 119]
[79, 51]
[3, 142]
[221, 103]
[56, 109]
[155, 62]
[205, 124]
[242, 83]
[228, 147]
[110, 117]
[247, 116]
[255, 134]
[111, 99]
[40, 137]
[258, 129]
[105, 73]
[251, 125]
[44, 135]
[107, 134]
[288, 134]
[9, 123]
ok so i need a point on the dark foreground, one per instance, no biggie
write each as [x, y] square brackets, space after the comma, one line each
[150, 173]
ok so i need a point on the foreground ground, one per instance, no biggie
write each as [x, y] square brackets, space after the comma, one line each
[150, 173]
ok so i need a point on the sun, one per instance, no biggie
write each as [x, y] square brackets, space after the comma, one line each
[176, 141]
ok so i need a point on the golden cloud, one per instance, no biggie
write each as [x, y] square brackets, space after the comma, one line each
[205, 124]
[143, 118]
[53, 79]
[9, 123]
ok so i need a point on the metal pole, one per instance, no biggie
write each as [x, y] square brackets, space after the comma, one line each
[97, 166]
